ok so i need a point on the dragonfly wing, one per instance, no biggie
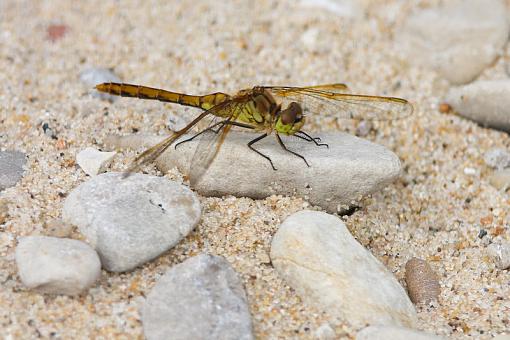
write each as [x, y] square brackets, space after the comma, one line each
[211, 140]
[331, 101]
[155, 151]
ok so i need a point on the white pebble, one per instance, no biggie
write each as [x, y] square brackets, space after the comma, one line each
[500, 254]
[57, 265]
[93, 161]
[318, 257]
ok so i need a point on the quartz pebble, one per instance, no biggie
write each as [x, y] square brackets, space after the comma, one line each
[422, 282]
[338, 176]
[318, 257]
[500, 254]
[11, 168]
[343, 8]
[201, 298]
[132, 220]
[500, 179]
[93, 161]
[393, 333]
[485, 102]
[96, 75]
[497, 158]
[443, 45]
[57, 265]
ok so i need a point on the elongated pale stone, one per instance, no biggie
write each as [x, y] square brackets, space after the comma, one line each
[338, 176]
[318, 257]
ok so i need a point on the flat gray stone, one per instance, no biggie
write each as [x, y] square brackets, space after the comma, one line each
[485, 102]
[11, 168]
[54, 265]
[132, 220]
[201, 298]
[338, 176]
[393, 333]
[318, 257]
[459, 39]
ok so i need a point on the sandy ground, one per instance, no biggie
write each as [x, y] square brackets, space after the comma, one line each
[435, 211]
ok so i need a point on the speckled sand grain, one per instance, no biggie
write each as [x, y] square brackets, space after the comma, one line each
[435, 211]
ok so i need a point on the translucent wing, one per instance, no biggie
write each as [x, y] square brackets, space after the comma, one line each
[155, 151]
[329, 100]
[211, 140]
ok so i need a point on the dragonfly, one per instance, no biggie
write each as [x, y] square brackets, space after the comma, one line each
[278, 110]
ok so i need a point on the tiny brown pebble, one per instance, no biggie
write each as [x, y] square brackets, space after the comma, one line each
[486, 220]
[61, 144]
[422, 283]
[444, 108]
[4, 210]
[56, 32]
[499, 230]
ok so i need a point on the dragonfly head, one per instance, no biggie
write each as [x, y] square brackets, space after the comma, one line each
[290, 120]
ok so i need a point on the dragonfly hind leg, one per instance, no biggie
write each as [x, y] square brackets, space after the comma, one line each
[210, 128]
[292, 152]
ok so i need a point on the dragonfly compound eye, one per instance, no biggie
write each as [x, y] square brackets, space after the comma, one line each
[292, 114]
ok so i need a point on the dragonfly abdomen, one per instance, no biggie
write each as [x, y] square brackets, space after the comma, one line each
[143, 92]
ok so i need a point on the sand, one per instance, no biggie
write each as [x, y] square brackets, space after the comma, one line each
[435, 211]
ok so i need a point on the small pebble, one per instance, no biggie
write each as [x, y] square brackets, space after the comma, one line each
[485, 102]
[56, 227]
[56, 32]
[96, 75]
[325, 332]
[500, 254]
[500, 179]
[132, 220]
[317, 256]
[4, 210]
[497, 158]
[200, 298]
[343, 8]
[365, 168]
[422, 282]
[11, 168]
[93, 161]
[56, 265]
[443, 44]
[393, 333]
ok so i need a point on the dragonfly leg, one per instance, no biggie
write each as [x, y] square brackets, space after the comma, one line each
[309, 138]
[260, 153]
[292, 152]
[210, 128]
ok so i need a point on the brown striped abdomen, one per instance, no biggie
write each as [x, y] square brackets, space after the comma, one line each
[144, 92]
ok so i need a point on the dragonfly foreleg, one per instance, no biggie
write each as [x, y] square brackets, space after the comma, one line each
[309, 138]
[292, 152]
[257, 151]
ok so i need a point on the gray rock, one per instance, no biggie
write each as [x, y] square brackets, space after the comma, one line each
[11, 168]
[500, 179]
[338, 176]
[465, 37]
[497, 158]
[485, 102]
[201, 298]
[318, 257]
[500, 254]
[132, 220]
[57, 265]
[393, 333]
[97, 75]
